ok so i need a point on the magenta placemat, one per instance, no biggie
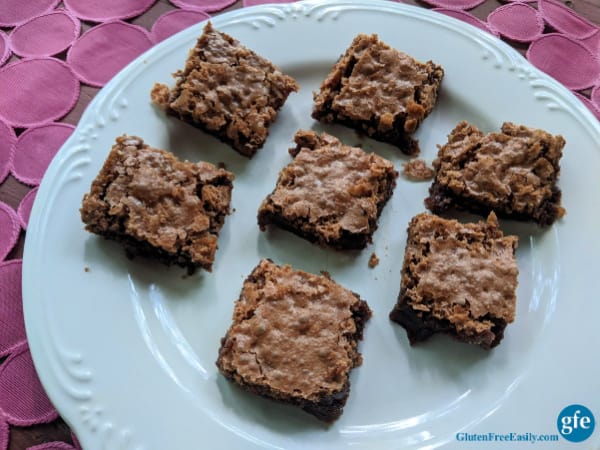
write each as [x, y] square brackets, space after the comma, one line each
[45, 55]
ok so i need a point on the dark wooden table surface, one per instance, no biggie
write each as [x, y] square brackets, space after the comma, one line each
[11, 191]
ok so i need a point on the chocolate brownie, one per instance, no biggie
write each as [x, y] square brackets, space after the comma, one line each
[158, 206]
[458, 279]
[330, 193]
[379, 91]
[228, 91]
[294, 339]
[513, 173]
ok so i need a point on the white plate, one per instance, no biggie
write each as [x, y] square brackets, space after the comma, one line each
[126, 350]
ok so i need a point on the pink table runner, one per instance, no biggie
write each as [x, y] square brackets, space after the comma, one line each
[80, 43]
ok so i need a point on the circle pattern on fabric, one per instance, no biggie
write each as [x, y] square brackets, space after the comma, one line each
[35, 148]
[203, 5]
[7, 142]
[565, 20]
[15, 12]
[101, 52]
[12, 331]
[106, 10]
[9, 230]
[466, 17]
[455, 4]
[517, 21]
[45, 35]
[4, 433]
[4, 48]
[565, 59]
[49, 81]
[52, 446]
[23, 399]
[24, 210]
[262, 2]
[174, 21]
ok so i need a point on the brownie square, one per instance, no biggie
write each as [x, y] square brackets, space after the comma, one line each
[294, 339]
[228, 91]
[158, 206]
[459, 279]
[379, 91]
[330, 193]
[513, 173]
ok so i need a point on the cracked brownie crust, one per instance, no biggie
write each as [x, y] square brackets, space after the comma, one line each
[158, 206]
[513, 172]
[379, 91]
[228, 91]
[294, 339]
[458, 279]
[330, 193]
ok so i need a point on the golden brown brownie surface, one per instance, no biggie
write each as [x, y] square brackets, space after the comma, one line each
[513, 172]
[151, 200]
[457, 278]
[379, 91]
[227, 90]
[294, 337]
[330, 192]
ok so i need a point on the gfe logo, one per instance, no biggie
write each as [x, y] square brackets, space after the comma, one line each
[575, 423]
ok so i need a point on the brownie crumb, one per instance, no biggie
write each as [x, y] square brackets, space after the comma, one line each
[222, 165]
[294, 339]
[86, 269]
[417, 170]
[373, 261]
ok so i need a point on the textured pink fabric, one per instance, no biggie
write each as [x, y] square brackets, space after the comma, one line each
[455, 4]
[592, 42]
[45, 35]
[52, 446]
[7, 142]
[203, 5]
[24, 210]
[105, 10]
[595, 97]
[517, 21]
[9, 230]
[4, 433]
[174, 21]
[12, 326]
[22, 397]
[49, 81]
[468, 18]
[565, 59]
[590, 105]
[15, 12]
[101, 52]
[4, 48]
[565, 20]
[76, 443]
[35, 148]
[262, 2]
